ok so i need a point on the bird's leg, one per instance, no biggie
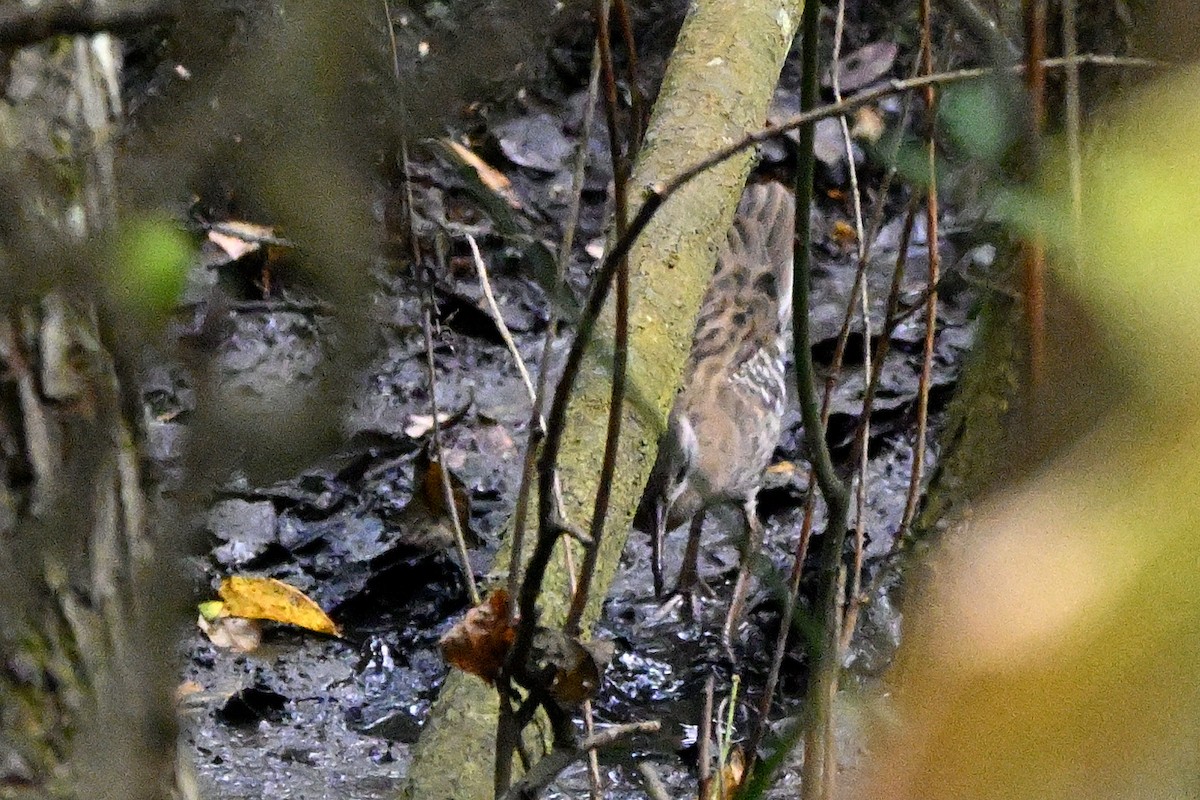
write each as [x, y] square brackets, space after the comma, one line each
[754, 536]
[689, 583]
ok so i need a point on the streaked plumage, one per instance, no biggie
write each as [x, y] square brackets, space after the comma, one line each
[725, 422]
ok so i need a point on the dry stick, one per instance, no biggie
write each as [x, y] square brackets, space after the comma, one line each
[431, 369]
[863, 432]
[444, 471]
[546, 770]
[660, 192]
[861, 488]
[507, 338]
[616, 405]
[537, 425]
[931, 236]
[620, 358]
[507, 736]
[1074, 161]
[637, 101]
[801, 551]
[427, 325]
[704, 740]
[1033, 251]
[832, 488]
[498, 318]
[654, 785]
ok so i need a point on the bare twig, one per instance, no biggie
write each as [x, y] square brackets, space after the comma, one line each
[537, 426]
[654, 784]
[860, 279]
[508, 729]
[801, 550]
[447, 490]
[862, 434]
[498, 318]
[560, 758]
[931, 236]
[616, 405]
[637, 101]
[422, 277]
[1074, 160]
[661, 191]
[704, 740]
[832, 488]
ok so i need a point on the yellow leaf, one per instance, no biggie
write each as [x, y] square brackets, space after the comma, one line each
[212, 609]
[267, 598]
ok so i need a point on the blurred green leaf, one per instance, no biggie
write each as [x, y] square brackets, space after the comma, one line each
[975, 118]
[150, 267]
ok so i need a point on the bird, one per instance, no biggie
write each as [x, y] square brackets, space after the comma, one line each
[726, 418]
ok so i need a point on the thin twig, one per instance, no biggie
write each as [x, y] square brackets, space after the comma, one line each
[537, 426]
[661, 191]
[616, 403]
[431, 368]
[832, 489]
[704, 740]
[863, 432]
[931, 236]
[507, 730]
[548, 768]
[1074, 160]
[498, 318]
[861, 487]
[654, 784]
[637, 100]
[792, 598]
[583, 583]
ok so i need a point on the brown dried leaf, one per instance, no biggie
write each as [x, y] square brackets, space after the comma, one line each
[843, 233]
[232, 633]
[575, 668]
[868, 125]
[268, 598]
[480, 641]
[733, 772]
[238, 239]
[425, 522]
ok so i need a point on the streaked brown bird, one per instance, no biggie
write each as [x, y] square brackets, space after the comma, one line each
[726, 419]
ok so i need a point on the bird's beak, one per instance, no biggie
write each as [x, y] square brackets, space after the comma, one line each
[656, 544]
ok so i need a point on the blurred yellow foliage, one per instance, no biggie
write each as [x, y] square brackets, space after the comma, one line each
[1054, 651]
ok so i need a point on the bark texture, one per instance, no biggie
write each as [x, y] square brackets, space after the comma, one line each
[717, 88]
[85, 650]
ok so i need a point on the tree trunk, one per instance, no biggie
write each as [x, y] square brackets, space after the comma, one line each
[86, 646]
[717, 88]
